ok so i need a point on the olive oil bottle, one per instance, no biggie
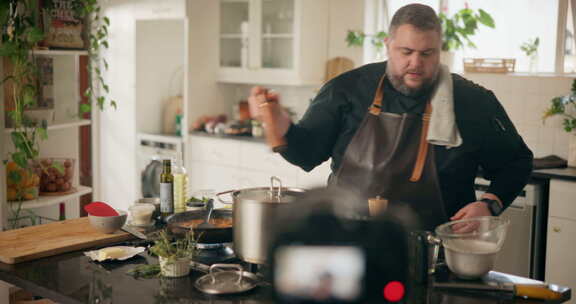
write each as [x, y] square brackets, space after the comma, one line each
[166, 190]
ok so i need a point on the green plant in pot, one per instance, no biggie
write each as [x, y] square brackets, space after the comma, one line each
[174, 255]
[565, 107]
[530, 48]
[456, 31]
[20, 33]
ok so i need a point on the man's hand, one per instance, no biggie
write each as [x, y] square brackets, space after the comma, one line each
[474, 209]
[259, 97]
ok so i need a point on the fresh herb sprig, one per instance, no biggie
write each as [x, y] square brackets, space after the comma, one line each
[145, 271]
[165, 247]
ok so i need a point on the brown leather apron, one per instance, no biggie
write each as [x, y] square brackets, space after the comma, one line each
[390, 157]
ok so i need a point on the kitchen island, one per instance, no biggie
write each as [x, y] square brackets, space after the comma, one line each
[73, 278]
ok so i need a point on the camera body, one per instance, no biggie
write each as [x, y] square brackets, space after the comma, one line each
[325, 258]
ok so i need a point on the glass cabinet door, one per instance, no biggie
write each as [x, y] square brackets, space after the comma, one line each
[234, 19]
[277, 32]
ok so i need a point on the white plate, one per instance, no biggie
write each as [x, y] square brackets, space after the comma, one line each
[128, 253]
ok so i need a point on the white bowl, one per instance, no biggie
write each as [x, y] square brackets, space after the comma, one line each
[108, 224]
[471, 253]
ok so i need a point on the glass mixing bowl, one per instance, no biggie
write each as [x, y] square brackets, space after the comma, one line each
[471, 245]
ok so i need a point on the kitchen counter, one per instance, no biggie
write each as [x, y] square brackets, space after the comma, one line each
[230, 137]
[558, 173]
[73, 278]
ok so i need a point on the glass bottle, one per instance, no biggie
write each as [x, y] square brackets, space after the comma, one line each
[166, 190]
[180, 185]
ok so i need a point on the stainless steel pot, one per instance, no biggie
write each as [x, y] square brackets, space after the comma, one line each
[255, 216]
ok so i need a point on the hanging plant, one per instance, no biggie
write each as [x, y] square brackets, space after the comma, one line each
[97, 41]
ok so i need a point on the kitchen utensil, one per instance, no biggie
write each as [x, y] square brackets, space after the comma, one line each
[176, 225]
[54, 238]
[206, 223]
[470, 245]
[108, 224]
[100, 209]
[226, 281]
[255, 215]
[509, 290]
[267, 110]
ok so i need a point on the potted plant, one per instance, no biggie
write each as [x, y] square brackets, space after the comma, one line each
[530, 48]
[175, 256]
[456, 32]
[20, 33]
[357, 38]
[565, 106]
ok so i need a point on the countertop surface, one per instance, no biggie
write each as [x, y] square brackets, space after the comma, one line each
[73, 278]
[558, 173]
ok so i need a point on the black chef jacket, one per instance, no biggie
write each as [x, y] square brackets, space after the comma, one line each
[490, 140]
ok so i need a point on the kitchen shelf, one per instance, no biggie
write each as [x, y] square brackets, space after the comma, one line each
[60, 52]
[65, 125]
[44, 201]
[285, 36]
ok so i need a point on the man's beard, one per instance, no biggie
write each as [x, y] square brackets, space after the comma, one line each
[398, 83]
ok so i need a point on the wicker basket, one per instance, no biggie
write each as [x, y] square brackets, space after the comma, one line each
[489, 65]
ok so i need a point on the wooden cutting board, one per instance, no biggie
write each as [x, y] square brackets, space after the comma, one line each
[40, 241]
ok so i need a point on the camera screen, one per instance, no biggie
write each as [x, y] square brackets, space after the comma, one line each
[319, 273]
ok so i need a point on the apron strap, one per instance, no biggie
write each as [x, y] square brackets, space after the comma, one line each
[423, 146]
[376, 106]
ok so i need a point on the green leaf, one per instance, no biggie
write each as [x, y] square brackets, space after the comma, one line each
[486, 19]
[14, 176]
[43, 133]
[34, 35]
[20, 159]
[107, 21]
[100, 100]
[58, 166]
[105, 44]
[106, 88]
[113, 104]
[85, 108]
[105, 63]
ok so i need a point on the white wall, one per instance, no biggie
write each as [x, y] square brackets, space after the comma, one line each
[159, 69]
[117, 148]
[525, 98]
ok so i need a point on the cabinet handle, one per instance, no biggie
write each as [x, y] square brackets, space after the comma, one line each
[556, 229]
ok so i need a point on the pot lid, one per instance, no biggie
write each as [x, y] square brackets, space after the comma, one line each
[219, 281]
[273, 194]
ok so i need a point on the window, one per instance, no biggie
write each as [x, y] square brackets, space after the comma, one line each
[516, 22]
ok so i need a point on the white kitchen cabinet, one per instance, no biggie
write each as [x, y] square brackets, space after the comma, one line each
[64, 134]
[560, 260]
[223, 164]
[282, 42]
[560, 247]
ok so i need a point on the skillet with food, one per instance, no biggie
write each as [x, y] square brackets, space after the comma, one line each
[219, 232]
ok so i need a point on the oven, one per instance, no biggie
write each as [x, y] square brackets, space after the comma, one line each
[524, 248]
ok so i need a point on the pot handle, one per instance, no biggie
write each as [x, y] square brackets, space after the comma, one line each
[224, 266]
[435, 242]
[223, 201]
[279, 191]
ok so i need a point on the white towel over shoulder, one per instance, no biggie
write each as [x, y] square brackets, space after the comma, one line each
[443, 130]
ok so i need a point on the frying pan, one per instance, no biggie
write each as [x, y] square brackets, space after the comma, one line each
[211, 235]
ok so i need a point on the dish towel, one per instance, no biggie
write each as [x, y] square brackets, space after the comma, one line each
[443, 130]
